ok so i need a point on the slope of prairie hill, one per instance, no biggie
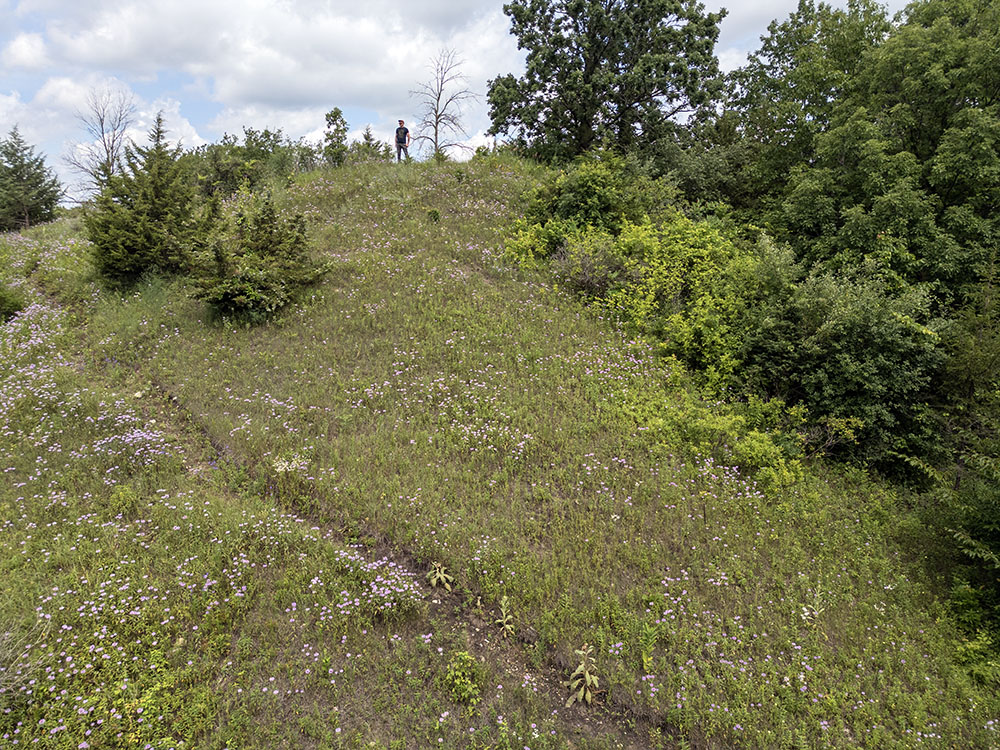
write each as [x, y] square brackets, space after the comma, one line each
[217, 536]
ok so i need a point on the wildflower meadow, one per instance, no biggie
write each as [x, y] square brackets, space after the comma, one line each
[228, 536]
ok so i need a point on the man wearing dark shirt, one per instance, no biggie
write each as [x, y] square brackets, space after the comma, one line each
[402, 142]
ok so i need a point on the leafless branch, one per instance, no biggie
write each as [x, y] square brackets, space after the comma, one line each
[441, 102]
[110, 113]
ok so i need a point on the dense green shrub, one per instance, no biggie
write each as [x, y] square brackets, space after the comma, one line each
[977, 525]
[11, 302]
[143, 219]
[591, 263]
[861, 355]
[685, 285]
[601, 191]
[575, 213]
[858, 355]
[463, 678]
[532, 242]
[259, 157]
[260, 259]
[970, 421]
[678, 280]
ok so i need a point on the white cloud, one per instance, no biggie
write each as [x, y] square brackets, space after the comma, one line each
[139, 37]
[25, 51]
[51, 113]
[730, 59]
[65, 94]
[12, 111]
[55, 111]
[264, 56]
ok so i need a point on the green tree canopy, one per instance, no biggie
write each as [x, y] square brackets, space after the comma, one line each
[610, 72]
[29, 191]
[335, 138]
[907, 175]
[261, 155]
[787, 92]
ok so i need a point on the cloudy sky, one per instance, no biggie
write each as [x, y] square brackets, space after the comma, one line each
[214, 66]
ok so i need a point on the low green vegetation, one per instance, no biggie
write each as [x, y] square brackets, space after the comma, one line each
[11, 302]
[228, 535]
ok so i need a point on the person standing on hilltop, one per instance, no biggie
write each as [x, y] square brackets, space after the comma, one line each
[402, 142]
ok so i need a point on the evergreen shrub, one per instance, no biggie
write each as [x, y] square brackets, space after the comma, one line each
[260, 259]
[29, 192]
[143, 220]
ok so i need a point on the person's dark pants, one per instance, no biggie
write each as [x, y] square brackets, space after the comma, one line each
[401, 151]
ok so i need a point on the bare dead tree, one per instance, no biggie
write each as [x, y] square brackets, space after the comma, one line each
[110, 113]
[441, 104]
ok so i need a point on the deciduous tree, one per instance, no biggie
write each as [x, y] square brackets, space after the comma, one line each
[109, 114]
[906, 176]
[786, 94]
[335, 138]
[616, 72]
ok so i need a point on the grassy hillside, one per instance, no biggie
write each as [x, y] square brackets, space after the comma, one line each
[218, 536]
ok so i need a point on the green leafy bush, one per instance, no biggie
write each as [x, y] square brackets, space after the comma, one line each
[463, 678]
[685, 284]
[11, 302]
[260, 258]
[532, 242]
[259, 157]
[591, 263]
[600, 191]
[972, 518]
[856, 357]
